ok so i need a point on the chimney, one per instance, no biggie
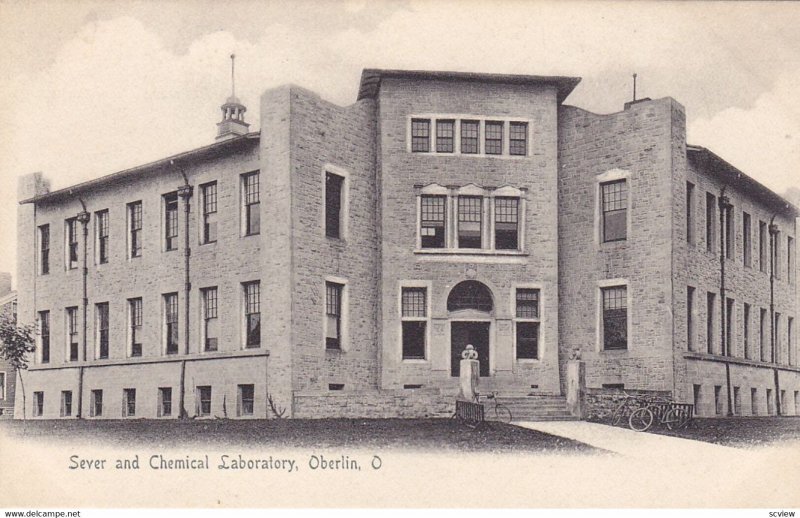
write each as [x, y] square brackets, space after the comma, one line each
[232, 123]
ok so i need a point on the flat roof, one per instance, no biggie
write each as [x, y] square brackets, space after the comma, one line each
[371, 79]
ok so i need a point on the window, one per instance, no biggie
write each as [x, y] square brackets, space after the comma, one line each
[696, 398]
[432, 222]
[333, 315]
[747, 352]
[518, 138]
[72, 243]
[204, 400]
[790, 269]
[66, 403]
[333, 205]
[2, 385]
[210, 324]
[128, 402]
[710, 321]
[171, 333]
[776, 254]
[420, 135]
[711, 232]
[44, 337]
[753, 401]
[164, 401]
[506, 223]
[208, 193]
[414, 322]
[135, 308]
[770, 403]
[762, 246]
[615, 317]
[252, 203]
[470, 221]
[729, 345]
[776, 353]
[72, 334]
[171, 221]
[790, 342]
[690, 318]
[252, 314]
[101, 231]
[762, 335]
[96, 401]
[44, 249]
[245, 402]
[38, 404]
[470, 135]
[494, 138]
[690, 213]
[526, 323]
[737, 401]
[730, 232]
[135, 228]
[718, 399]
[615, 210]
[747, 241]
[445, 135]
[102, 330]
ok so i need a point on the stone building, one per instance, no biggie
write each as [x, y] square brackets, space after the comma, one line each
[8, 309]
[338, 261]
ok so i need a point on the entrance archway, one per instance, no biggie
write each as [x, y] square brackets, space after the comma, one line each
[470, 307]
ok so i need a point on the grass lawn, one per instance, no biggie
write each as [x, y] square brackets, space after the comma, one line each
[739, 431]
[408, 434]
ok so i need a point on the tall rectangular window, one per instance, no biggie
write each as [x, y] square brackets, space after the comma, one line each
[252, 203]
[203, 396]
[44, 336]
[747, 344]
[432, 221]
[776, 354]
[690, 318]
[790, 341]
[72, 334]
[470, 221]
[690, 212]
[135, 228]
[615, 317]
[333, 315]
[718, 399]
[518, 138]
[171, 221]
[66, 403]
[776, 255]
[762, 246]
[493, 144]
[38, 404]
[762, 335]
[710, 321]
[72, 243]
[526, 323]
[102, 330]
[753, 401]
[506, 223]
[96, 402]
[614, 210]
[445, 135]
[128, 402]
[333, 205]
[414, 318]
[729, 342]
[747, 240]
[470, 136]
[135, 315]
[246, 396]
[252, 303]
[210, 324]
[101, 226]
[770, 403]
[208, 192]
[737, 401]
[790, 268]
[420, 135]
[164, 401]
[730, 232]
[2, 385]
[171, 333]
[711, 225]
[44, 249]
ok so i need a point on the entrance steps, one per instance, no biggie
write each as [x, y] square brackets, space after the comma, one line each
[536, 408]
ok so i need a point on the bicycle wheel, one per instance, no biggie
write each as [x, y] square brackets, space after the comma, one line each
[620, 415]
[502, 413]
[673, 419]
[641, 420]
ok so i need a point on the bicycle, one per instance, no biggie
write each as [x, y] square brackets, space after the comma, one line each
[501, 412]
[672, 415]
[624, 410]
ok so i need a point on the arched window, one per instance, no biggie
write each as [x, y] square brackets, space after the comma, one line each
[470, 295]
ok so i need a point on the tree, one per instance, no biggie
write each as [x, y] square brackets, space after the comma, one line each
[16, 343]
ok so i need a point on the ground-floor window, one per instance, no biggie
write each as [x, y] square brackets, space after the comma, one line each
[38, 404]
[164, 401]
[737, 401]
[770, 403]
[414, 316]
[246, 396]
[66, 403]
[204, 400]
[128, 402]
[526, 323]
[754, 401]
[2, 385]
[615, 317]
[718, 399]
[696, 400]
[797, 402]
[96, 402]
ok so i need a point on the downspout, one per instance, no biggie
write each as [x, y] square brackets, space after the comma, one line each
[185, 193]
[773, 231]
[83, 217]
[724, 207]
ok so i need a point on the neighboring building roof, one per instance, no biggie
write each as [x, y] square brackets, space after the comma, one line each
[214, 150]
[8, 298]
[371, 80]
[730, 175]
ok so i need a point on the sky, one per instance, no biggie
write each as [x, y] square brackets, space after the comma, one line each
[90, 88]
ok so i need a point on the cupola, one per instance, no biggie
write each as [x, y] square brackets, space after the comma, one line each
[232, 123]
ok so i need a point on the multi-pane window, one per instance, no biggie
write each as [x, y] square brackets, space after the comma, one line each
[101, 226]
[445, 135]
[711, 227]
[470, 221]
[690, 212]
[432, 223]
[245, 399]
[135, 228]
[210, 325]
[690, 318]
[747, 240]
[38, 404]
[730, 232]
[72, 243]
[762, 246]
[527, 323]
[128, 402]
[171, 333]
[164, 401]
[135, 308]
[252, 314]
[333, 315]
[208, 193]
[518, 138]
[44, 337]
[470, 135]
[44, 249]
[96, 402]
[493, 144]
[66, 403]
[171, 221]
[614, 199]
[204, 400]
[252, 203]
[420, 135]
[414, 321]
[333, 204]
[72, 334]
[710, 321]
[102, 330]
[506, 223]
[615, 317]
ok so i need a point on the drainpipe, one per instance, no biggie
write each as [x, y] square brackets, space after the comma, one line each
[83, 217]
[724, 207]
[185, 193]
[773, 231]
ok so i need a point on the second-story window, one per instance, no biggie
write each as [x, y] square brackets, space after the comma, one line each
[251, 198]
[333, 205]
[432, 222]
[101, 224]
[44, 249]
[252, 314]
[44, 336]
[445, 135]
[711, 225]
[171, 221]
[506, 223]
[470, 137]
[72, 243]
[210, 318]
[470, 221]
[747, 240]
[494, 137]
[135, 308]
[135, 228]
[614, 210]
[72, 334]
[102, 330]
[518, 138]
[209, 195]
[420, 135]
[171, 334]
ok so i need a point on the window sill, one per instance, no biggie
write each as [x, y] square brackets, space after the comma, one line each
[415, 360]
[469, 251]
[614, 351]
[206, 243]
[333, 351]
[529, 361]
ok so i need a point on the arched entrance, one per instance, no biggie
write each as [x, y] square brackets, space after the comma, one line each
[470, 308]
